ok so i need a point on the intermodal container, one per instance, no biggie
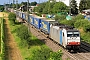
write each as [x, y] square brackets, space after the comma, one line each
[45, 25]
[24, 16]
[37, 22]
[31, 20]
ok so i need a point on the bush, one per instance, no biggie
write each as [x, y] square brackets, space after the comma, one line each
[86, 37]
[23, 43]
[60, 17]
[81, 23]
[79, 16]
[43, 53]
[12, 17]
[23, 32]
[68, 22]
[38, 14]
[55, 55]
[24, 35]
[87, 27]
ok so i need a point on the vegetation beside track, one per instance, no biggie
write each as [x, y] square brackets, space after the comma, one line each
[32, 48]
[2, 46]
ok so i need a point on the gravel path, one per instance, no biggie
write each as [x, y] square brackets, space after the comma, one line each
[11, 50]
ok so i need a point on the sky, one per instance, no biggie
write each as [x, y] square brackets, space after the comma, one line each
[19, 1]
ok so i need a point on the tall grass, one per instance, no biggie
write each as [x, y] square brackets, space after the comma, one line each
[34, 49]
[1, 41]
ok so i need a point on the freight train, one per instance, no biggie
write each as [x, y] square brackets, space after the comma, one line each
[66, 36]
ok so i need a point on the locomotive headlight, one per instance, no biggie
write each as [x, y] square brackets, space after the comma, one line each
[68, 43]
[78, 42]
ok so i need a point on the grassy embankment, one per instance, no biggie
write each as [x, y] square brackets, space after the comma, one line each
[35, 49]
[2, 47]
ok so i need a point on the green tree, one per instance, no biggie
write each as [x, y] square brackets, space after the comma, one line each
[33, 3]
[83, 5]
[60, 17]
[51, 7]
[68, 22]
[48, 8]
[12, 17]
[1, 7]
[59, 7]
[73, 6]
[24, 3]
[35, 9]
[40, 8]
[88, 4]
[79, 16]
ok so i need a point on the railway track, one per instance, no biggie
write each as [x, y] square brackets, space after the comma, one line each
[55, 47]
[85, 50]
[85, 46]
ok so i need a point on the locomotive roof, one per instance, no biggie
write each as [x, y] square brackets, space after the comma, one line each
[36, 16]
[73, 30]
[61, 26]
[43, 18]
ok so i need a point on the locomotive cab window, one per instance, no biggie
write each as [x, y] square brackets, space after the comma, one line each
[69, 34]
[76, 34]
[72, 34]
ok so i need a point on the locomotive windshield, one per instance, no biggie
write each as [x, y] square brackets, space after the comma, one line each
[72, 34]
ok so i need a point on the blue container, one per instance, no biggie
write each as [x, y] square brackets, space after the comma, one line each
[45, 25]
[24, 16]
[31, 20]
[37, 22]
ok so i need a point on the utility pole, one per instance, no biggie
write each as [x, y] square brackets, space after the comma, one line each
[28, 14]
[27, 9]
[69, 7]
[27, 5]
[13, 3]
[39, 1]
[16, 5]
[5, 6]
[9, 3]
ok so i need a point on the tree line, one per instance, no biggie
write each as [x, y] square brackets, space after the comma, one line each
[55, 7]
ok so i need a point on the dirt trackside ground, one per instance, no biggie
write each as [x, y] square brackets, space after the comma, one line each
[12, 51]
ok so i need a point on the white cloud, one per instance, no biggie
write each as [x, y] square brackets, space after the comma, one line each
[67, 2]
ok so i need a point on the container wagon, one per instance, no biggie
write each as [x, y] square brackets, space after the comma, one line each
[31, 19]
[24, 16]
[45, 25]
[37, 21]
